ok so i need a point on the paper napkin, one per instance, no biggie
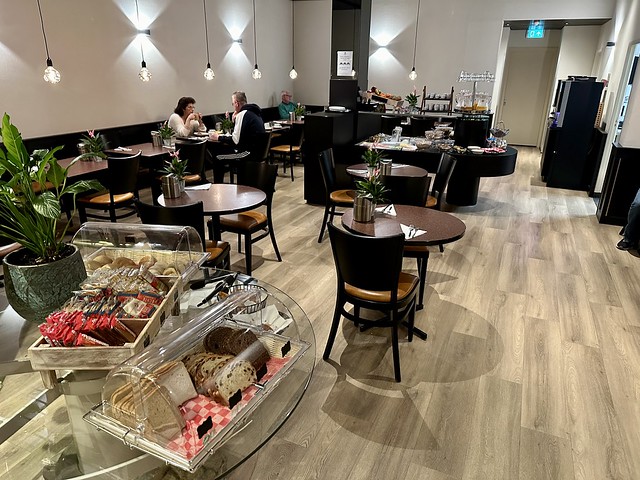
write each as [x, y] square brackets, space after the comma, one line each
[204, 186]
[411, 232]
[388, 210]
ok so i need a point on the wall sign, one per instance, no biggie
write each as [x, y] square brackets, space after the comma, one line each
[345, 63]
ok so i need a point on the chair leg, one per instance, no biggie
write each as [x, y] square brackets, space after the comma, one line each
[441, 248]
[396, 350]
[291, 161]
[247, 252]
[324, 223]
[112, 213]
[273, 239]
[333, 330]
[411, 322]
[239, 243]
[82, 213]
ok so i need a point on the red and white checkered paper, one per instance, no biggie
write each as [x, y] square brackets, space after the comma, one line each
[198, 409]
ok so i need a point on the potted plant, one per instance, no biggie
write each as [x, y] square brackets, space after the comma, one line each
[92, 146]
[372, 158]
[299, 111]
[177, 166]
[227, 123]
[412, 100]
[369, 193]
[167, 134]
[41, 276]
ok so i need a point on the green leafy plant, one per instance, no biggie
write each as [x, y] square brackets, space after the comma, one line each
[412, 99]
[300, 110]
[372, 157]
[176, 165]
[94, 144]
[31, 188]
[371, 187]
[166, 131]
[227, 123]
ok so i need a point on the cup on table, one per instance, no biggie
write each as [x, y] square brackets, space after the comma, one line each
[218, 126]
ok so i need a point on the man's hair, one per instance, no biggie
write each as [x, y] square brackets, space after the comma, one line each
[241, 97]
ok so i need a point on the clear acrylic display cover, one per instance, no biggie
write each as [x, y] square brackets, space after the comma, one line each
[177, 251]
[184, 394]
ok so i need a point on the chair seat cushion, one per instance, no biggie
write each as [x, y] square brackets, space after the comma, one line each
[418, 249]
[103, 198]
[216, 249]
[189, 179]
[36, 186]
[285, 149]
[406, 284]
[245, 221]
[342, 196]
[431, 201]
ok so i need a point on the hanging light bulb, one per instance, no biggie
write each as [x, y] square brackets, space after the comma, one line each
[413, 75]
[208, 73]
[51, 75]
[293, 74]
[256, 74]
[353, 72]
[145, 74]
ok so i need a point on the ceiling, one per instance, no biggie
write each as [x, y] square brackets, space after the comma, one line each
[556, 24]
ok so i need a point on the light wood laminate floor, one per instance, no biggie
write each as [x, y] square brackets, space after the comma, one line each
[532, 365]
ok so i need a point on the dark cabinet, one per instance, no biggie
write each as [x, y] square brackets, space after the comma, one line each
[620, 185]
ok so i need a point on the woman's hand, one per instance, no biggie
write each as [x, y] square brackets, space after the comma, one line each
[213, 136]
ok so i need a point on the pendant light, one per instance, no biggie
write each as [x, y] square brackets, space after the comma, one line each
[208, 73]
[293, 74]
[51, 75]
[256, 74]
[413, 75]
[144, 74]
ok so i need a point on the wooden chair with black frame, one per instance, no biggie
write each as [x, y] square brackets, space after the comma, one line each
[193, 152]
[411, 191]
[440, 182]
[122, 182]
[290, 151]
[262, 176]
[258, 152]
[334, 197]
[378, 285]
[187, 215]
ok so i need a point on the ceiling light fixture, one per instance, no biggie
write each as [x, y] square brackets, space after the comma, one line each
[256, 74]
[51, 75]
[144, 74]
[208, 73]
[413, 75]
[293, 74]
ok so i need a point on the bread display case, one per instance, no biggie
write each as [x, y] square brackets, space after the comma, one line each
[187, 393]
[135, 275]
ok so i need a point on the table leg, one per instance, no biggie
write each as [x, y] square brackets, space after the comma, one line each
[215, 232]
[463, 189]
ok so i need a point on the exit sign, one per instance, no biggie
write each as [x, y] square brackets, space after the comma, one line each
[536, 29]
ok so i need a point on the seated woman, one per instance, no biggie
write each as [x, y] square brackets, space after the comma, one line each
[185, 120]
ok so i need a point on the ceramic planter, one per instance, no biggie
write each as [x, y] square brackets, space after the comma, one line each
[34, 291]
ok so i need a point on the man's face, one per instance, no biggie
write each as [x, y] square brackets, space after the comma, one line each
[286, 97]
[234, 102]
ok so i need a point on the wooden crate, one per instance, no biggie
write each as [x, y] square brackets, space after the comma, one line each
[45, 357]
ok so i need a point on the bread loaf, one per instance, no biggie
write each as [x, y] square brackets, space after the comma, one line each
[174, 377]
[234, 376]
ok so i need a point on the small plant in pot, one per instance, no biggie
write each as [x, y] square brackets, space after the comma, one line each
[369, 193]
[41, 276]
[299, 111]
[372, 158]
[227, 123]
[93, 146]
[167, 134]
[177, 166]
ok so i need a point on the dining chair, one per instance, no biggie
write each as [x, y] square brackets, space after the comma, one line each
[193, 152]
[258, 152]
[389, 122]
[443, 175]
[378, 285]
[122, 181]
[260, 175]
[187, 215]
[333, 197]
[290, 151]
[411, 191]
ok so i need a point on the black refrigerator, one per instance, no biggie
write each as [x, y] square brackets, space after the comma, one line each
[567, 163]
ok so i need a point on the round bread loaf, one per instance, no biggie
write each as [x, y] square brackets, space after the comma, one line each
[256, 354]
[216, 339]
[239, 340]
[234, 376]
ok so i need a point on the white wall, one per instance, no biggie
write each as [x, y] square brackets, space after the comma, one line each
[93, 45]
[577, 51]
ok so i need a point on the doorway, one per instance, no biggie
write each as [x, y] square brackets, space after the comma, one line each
[526, 92]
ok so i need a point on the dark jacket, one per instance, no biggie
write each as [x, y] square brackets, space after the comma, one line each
[252, 126]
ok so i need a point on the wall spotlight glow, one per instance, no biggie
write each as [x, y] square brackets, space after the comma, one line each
[383, 39]
[144, 31]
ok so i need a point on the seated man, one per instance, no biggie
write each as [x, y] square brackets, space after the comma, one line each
[632, 229]
[248, 127]
[286, 106]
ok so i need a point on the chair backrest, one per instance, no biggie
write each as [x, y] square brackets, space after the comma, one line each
[260, 147]
[123, 173]
[359, 261]
[389, 122]
[419, 125]
[407, 190]
[193, 153]
[186, 215]
[260, 175]
[328, 170]
[296, 135]
[443, 175]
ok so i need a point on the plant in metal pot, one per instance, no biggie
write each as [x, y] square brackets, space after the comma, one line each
[166, 131]
[177, 166]
[369, 192]
[227, 123]
[94, 145]
[372, 157]
[41, 275]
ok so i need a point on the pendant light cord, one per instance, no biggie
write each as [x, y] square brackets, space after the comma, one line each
[353, 46]
[46, 45]
[138, 26]
[206, 29]
[255, 41]
[293, 34]
[415, 40]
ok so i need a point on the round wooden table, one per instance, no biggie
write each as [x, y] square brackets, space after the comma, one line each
[397, 170]
[219, 199]
[440, 227]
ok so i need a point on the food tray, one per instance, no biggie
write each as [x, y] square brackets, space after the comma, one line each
[191, 448]
[45, 357]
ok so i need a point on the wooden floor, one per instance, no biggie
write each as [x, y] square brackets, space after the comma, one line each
[532, 365]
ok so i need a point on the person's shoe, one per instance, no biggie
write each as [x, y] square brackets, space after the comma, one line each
[626, 245]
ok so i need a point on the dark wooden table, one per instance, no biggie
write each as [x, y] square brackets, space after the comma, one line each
[397, 170]
[83, 169]
[219, 199]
